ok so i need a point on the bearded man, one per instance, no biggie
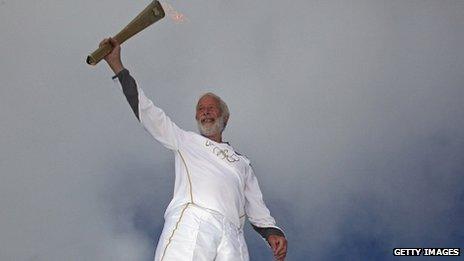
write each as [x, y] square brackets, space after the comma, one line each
[215, 187]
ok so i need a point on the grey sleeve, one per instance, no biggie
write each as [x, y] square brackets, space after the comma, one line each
[129, 88]
[265, 232]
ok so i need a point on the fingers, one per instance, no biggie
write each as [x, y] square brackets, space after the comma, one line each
[105, 41]
[273, 244]
[111, 41]
[281, 256]
[281, 250]
[279, 246]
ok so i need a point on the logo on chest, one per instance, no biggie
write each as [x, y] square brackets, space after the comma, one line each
[223, 154]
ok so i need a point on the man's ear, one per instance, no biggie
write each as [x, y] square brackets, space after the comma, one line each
[226, 119]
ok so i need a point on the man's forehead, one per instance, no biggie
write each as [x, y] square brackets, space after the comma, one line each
[207, 99]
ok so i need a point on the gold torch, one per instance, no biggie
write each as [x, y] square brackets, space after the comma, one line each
[151, 14]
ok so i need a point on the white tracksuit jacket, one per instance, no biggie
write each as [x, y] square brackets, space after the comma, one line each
[208, 174]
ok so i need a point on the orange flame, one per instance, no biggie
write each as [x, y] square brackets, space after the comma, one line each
[176, 16]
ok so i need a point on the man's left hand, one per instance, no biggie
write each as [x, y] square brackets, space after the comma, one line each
[279, 246]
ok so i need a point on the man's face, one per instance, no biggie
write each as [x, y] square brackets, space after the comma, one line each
[208, 116]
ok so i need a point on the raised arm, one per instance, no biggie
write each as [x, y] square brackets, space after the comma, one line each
[153, 119]
[260, 216]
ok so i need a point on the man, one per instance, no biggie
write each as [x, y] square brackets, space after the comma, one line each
[215, 187]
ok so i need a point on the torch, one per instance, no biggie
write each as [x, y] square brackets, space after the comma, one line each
[151, 14]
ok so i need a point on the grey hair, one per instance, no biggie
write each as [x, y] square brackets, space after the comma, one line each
[222, 105]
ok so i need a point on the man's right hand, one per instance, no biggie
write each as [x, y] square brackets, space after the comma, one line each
[114, 57]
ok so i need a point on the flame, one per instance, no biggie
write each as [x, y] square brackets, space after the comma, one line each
[175, 16]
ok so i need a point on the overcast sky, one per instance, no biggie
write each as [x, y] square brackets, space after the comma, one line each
[352, 113]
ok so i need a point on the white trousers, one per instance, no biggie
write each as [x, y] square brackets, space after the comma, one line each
[193, 233]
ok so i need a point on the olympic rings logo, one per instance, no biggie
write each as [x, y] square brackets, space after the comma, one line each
[222, 154]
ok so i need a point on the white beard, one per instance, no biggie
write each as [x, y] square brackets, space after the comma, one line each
[208, 129]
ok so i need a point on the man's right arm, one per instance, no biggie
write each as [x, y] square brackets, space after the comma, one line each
[153, 119]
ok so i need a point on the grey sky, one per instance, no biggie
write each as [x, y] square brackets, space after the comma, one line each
[351, 111]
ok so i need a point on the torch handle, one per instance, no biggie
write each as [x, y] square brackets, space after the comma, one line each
[151, 14]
